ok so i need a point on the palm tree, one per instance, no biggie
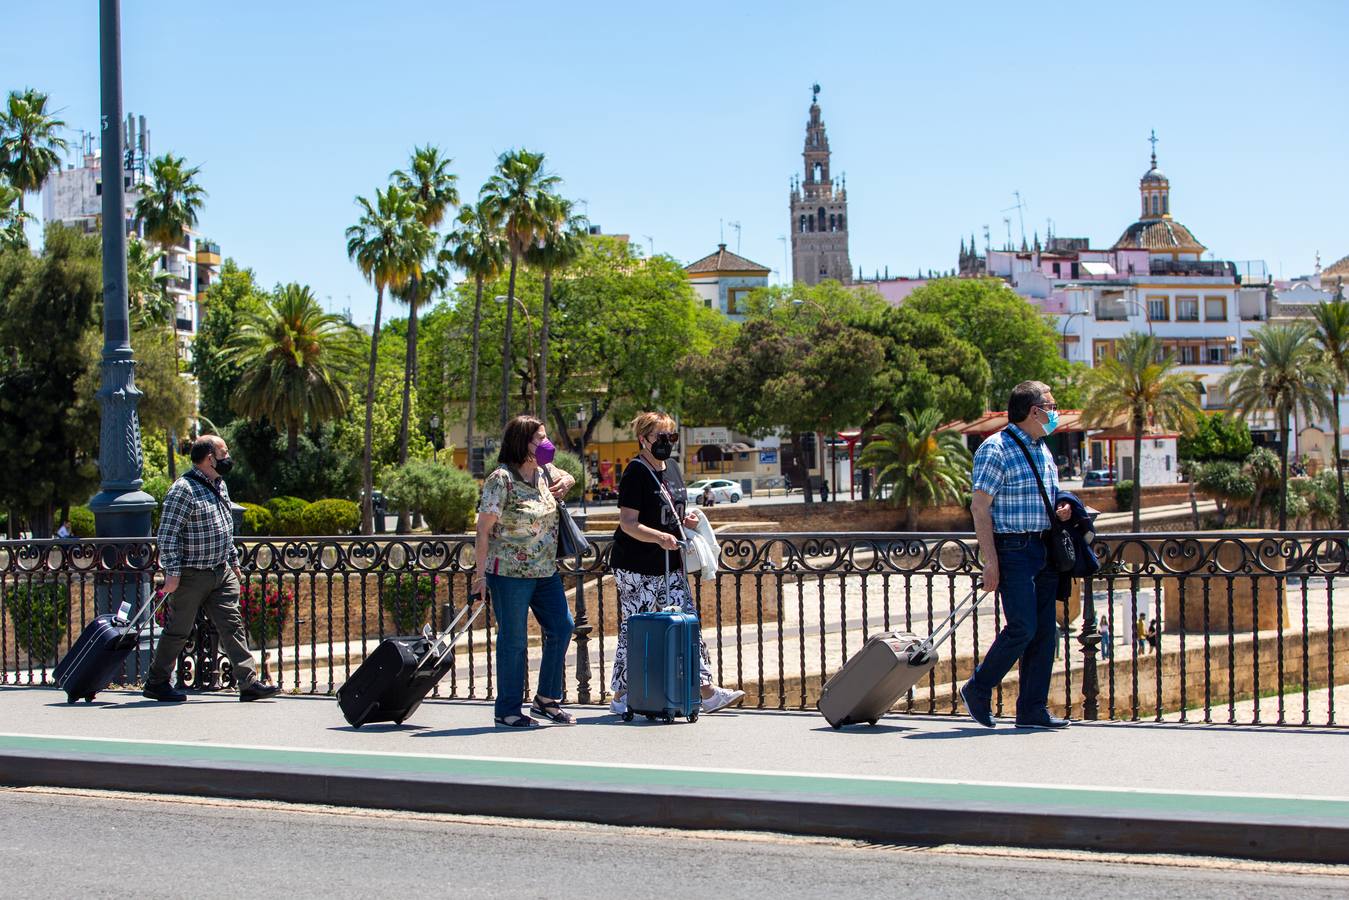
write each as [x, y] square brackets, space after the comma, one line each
[388, 244]
[147, 288]
[1285, 372]
[1142, 384]
[479, 250]
[296, 361]
[924, 467]
[29, 145]
[561, 245]
[433, 187]
[167, 210]
[520, 195]
[12, 217]
[1332, 333]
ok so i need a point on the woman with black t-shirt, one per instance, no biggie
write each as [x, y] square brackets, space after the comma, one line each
[652, 505]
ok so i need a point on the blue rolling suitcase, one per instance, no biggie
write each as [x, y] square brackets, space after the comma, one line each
[103, 646]
[663, 670]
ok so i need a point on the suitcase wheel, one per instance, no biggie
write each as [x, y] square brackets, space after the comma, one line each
[398, 721]
[693, 716]
[71, 699]
[667, 719]
[871, 721]
[627, 717]
[836, 725]
[89, 699]
[357, 725]
[650, 718]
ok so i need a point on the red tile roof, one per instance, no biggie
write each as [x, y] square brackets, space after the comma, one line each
[724, 261]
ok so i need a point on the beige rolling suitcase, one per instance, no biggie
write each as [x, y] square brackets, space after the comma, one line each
[889, 663]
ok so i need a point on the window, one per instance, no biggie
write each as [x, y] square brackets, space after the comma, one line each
[1057, 272]
[803, 225]
[820, 214]
[833, 222]
[1103, 349]
[733, 300]
[1076, 270]
[1187, 309]
[1215, 309]
[1188, 354]
[1156, 205]
[1165, 210]
[1159, 309]
[1217, 356]
[840, 222]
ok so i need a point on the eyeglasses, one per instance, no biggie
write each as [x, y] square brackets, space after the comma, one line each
[671, 436]
[1048, 407]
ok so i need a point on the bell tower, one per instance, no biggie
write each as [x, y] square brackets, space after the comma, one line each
[819, 210]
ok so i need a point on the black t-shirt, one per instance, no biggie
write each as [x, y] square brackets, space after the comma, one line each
[639, 490]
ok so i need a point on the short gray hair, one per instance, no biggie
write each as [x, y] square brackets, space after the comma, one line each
[1025, 396]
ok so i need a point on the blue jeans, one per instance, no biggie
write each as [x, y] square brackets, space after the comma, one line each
[1028, 590]
[512, 599]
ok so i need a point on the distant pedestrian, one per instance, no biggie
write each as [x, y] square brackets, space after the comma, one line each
[201, 568]
[64, 532]
[1012, 521]
[1107, 647]
[1141, 633]
[708, 498]
[1153, 635]
[516, 553]
[824, 491]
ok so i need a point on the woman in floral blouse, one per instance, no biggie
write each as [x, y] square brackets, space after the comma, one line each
[516, 553]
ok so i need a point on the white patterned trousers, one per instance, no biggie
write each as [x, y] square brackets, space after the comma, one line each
[650, 593]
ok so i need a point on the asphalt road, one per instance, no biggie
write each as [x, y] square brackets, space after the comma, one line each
[62, 844]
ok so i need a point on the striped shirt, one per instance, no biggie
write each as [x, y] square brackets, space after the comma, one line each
[196, 526]
[1001, 470]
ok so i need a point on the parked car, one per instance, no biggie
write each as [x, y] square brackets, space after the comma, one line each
[723, 490]
[1098, 478]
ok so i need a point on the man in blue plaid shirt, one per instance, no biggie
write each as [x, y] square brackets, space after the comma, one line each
[201, 566]
[1012, 522]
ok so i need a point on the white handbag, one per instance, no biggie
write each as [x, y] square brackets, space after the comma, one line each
[704, 551]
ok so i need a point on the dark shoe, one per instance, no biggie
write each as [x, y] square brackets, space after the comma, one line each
[1042, 719]
[516, 721]
[257, 690]
[979, 708]
[552, 711]
[163, 692]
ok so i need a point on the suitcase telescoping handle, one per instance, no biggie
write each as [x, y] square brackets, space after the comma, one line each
[451, 635]
[148, 610]
[959, 614]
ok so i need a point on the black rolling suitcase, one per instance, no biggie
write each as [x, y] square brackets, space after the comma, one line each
[394, 680]
[101, 650]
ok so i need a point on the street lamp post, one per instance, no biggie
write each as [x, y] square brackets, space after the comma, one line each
[121, 509]
[505, 366]
[1071, 316]
[585, 468]
[435, 442]
[1142, 311]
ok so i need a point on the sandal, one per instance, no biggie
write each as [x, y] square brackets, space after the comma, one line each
[516, 721]
[552, 711]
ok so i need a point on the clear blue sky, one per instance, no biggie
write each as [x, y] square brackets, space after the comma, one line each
[668, 118]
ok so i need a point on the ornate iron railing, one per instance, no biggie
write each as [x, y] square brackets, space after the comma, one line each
[1245, 628]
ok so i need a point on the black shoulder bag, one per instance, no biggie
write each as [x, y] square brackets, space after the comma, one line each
[1059, 543]
[571, 540]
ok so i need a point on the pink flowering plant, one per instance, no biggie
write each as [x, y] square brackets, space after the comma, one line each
[264, 607]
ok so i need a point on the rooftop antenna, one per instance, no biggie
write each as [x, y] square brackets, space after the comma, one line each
[736, 226]
[1020, 215]
[1006, 220]
[651, 244]
[785, 269]
[988, 242]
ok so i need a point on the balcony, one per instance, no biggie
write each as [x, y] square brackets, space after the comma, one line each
[180, 283]
[183, 324]
[208, 253]
[1211, 268]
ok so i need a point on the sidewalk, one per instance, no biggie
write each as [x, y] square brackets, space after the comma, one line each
[1270, 793]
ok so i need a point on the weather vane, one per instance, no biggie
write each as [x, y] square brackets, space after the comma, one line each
[814, 93]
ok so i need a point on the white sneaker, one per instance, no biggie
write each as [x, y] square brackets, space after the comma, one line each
[720, 699]
[618, 706]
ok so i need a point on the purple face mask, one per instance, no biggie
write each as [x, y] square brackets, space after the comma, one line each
[544, 452]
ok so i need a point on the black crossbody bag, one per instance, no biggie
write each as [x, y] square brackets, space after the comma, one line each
[571, 540]
[1059, 543]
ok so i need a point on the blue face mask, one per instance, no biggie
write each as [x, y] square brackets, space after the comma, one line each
[1052, 422]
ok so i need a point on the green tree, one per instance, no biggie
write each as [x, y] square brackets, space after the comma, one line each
[926, 365]
[1226, 483]
[1217, 436]
[167, 209]
[924, 467]
[1285, 372]
[1332, 333]
[387, 243]
[1143, 385]
[47, 303]
[560, 245]
[30, 145]
[231, 298]
[520, 194]
[12, 218]
[479, 249]
[1016, 339]
[434, 189]
[147, 289]
[297, 361]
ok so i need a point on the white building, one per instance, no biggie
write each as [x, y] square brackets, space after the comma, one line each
[73, 196]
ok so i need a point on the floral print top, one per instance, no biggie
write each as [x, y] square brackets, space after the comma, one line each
[523, 542]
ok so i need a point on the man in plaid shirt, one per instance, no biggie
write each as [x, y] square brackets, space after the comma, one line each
[201, 566]
[1012, 522]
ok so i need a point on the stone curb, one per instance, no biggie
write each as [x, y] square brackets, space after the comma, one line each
[884, 820]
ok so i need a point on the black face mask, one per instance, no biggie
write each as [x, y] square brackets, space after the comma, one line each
[662, 448]
[223, 466]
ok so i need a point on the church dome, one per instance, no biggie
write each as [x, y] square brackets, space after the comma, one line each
[1154, 175]
[1159, 236]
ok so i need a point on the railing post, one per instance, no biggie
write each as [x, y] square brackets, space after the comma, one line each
[581, 634]
[1090, 639]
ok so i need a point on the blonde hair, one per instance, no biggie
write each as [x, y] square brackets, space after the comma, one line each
[647, 422]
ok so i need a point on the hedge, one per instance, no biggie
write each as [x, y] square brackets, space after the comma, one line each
[288, 513]
[258, 520]
[330, 517]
